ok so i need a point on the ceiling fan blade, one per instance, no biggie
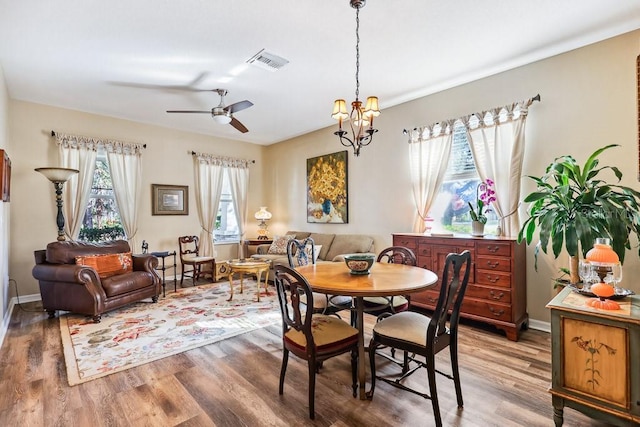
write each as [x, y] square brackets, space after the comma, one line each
[190, 87]
[188, 111]
[238, 106]
[236, 124]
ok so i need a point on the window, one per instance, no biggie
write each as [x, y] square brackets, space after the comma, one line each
[101, 220]
[226, 222]
[450, 211]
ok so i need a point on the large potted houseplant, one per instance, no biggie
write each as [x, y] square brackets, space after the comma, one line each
[573, 205]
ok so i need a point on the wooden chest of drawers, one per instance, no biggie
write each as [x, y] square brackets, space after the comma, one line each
[497, 290]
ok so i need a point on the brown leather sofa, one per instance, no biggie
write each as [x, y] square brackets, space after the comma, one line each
[65, 285]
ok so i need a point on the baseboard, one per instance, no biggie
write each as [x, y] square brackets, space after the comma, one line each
[7, 317]
[539, 325]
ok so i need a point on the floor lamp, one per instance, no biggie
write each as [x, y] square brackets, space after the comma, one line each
[58, 176]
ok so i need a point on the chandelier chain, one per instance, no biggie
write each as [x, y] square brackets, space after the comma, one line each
[357, 52]
[360, 119]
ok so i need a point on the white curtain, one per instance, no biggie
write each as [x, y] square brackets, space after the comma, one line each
[208, 171]
[76, 152]
[238, 173]
[497, 141]
[125, 164]
[429, 151]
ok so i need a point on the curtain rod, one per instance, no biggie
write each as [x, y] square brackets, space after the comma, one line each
[53, 133]
[193, 153]
[535, 98]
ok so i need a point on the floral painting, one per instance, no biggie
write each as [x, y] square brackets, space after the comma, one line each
[327, 189]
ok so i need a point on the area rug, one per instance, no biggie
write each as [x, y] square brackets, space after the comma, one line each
[143, 332]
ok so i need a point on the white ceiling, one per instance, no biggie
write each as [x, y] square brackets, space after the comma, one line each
[115, 57]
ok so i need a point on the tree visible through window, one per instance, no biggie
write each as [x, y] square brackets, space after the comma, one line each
[450, 211]
[101, 220]
[227, 230]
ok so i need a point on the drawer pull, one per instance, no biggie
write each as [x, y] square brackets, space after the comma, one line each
[495, 312]
[493, 264]
[496, 297]
[493, 249]
[432, 300]
[493, 279]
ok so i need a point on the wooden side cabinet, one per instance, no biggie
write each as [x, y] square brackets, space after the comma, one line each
[497, 289]
[251, 245]
[594, 359]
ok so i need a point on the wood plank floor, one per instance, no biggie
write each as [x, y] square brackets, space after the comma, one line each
[235, 383]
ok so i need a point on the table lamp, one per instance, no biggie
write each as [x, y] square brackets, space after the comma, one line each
[263, 215]
[604, 259]
[58, 176]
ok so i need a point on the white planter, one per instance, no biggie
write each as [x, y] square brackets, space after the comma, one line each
[477, 228]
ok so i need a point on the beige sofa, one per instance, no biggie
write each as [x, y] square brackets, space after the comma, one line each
[334, 247]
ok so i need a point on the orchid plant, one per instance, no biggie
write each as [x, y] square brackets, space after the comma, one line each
[485, 195]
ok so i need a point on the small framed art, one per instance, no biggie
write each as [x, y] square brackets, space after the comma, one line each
[169, 199]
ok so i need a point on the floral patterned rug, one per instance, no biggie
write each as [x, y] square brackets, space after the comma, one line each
[143, 332]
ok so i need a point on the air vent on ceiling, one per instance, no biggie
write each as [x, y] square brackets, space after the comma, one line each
[267, 61]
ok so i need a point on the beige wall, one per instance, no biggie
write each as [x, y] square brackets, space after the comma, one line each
[588, 101]
[165, 161]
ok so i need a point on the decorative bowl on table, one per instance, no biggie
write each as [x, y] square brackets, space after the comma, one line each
[359, 263]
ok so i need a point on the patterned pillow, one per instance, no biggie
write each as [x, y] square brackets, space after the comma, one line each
[304, 257]
[107, 265]
[279, 245]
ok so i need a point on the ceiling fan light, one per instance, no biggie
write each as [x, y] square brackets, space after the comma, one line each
[222, 119]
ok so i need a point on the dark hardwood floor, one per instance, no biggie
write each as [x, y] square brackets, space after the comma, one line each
[235, 383]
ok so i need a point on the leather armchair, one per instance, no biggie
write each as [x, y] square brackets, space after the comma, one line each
[64, 285]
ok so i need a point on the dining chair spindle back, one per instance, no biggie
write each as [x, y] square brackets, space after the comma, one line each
[426, 336]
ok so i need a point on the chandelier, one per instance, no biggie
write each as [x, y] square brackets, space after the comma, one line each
[360, 119]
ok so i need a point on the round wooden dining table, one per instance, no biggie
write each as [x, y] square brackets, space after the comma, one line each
[384, 279]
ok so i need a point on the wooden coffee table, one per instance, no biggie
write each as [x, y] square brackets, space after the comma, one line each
[248, 266]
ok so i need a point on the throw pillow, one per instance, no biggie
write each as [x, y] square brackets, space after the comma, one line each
[304, 257]
[279, 245]
[107, 265]
[317, 252]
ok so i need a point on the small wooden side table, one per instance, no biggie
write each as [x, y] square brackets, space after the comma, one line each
[250, 245]
[162, 256]
[248, 266]
[594, 366]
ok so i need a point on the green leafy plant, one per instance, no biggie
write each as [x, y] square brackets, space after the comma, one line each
[104, 234]
[573, 205]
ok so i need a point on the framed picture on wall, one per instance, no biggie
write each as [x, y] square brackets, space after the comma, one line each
[327, 185]
[5, 176]
[169, 199]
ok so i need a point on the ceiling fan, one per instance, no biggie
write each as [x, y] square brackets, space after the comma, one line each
[222, 114]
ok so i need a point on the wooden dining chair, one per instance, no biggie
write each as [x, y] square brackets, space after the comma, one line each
[190, 257]
[386, 306]
[311, 336]
[392, 304]
[303, 252]
[426, 336]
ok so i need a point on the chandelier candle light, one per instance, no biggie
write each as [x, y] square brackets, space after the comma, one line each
[263, 215]
[361, 119]
[58, 176]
